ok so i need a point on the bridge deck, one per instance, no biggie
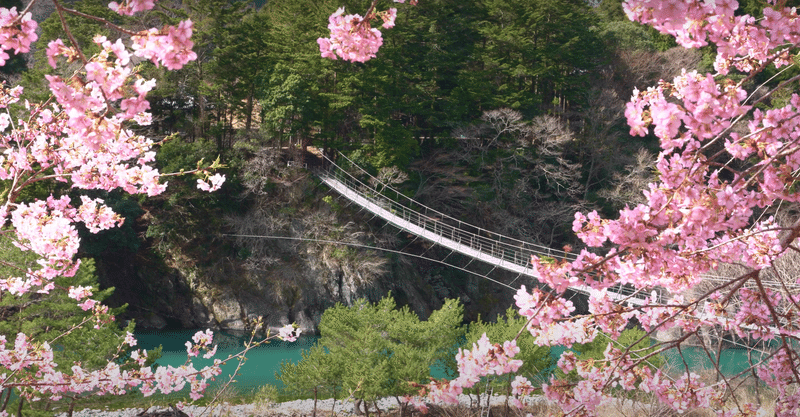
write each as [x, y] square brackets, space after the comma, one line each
[478, 249]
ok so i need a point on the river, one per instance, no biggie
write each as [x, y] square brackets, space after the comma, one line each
[263, 362]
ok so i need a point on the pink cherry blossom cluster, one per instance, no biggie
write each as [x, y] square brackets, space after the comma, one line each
[682, 395]
[129, 7]
[780, 373]
[548, 318]
[17, 32]
[742, 41]
[352, 36]
[81, 292]
[32, 366]
[520, 387]
[619, 370]
[202, 341]
[82, 137]
[416, 402]
[46, 228]
[171, 46]
[484, 359]
[289, 333]
[216, 181]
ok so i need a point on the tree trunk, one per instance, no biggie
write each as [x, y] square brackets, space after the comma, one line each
[333, 407]
[719, 353]
[199, 128]
[589, 178]
[248, 121]
[7, 391]
[402, 406]
[357, 407]
[71, 408]
[314, 412]
[19, 408]
[508, 394]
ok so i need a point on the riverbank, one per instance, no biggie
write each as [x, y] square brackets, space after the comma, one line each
[536, 406]
[286, 409]
[295, 408]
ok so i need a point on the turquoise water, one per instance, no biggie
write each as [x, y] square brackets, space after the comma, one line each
[259, 369]
[263, 362]
[731, 361]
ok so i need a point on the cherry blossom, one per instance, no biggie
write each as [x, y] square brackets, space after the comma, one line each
[388, 18]
[416, 401]
[202, 341]
[130, 340]
[83, 138]
[16, 32]
[128, 8]
[289, 333]
[171, 46]
[216, 182]
[352, 37]
[484, 359]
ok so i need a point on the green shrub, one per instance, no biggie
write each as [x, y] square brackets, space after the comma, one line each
[374, 350]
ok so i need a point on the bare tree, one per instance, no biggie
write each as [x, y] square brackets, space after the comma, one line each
[389, 176]
[519, 169]
[640, 68]
[627, 187]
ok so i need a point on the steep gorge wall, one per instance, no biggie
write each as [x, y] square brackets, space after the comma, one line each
[291, 280]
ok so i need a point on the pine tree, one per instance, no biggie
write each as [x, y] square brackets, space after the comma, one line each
[393, 348]
[315, 373]
[538, 56]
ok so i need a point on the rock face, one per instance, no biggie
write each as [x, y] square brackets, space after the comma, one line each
[300, 292]
[297, 288]
[329, 253]
[157, 296]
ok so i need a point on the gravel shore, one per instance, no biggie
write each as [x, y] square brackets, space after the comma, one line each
[289, 408]
[286, 409]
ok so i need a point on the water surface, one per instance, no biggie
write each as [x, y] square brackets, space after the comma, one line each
[259, 369]
[264, 361]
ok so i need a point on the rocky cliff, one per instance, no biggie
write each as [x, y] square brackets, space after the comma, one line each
[293, 251]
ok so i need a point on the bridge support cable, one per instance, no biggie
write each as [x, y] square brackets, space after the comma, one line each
[448, 255]
[515, 279]
[363, 246]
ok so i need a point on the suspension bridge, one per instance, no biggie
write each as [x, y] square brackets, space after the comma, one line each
[499, 251]
[489, 247]
[406, 214]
